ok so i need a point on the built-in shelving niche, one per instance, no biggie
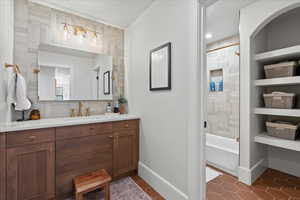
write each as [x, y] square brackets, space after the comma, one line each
[277, 42]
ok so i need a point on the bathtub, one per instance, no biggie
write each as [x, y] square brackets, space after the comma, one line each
[222, 153]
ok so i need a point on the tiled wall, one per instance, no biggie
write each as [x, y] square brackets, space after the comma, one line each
[32, 23]
[223, 107]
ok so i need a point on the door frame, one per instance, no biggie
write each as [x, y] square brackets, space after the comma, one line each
[198, 108]
[197, 104]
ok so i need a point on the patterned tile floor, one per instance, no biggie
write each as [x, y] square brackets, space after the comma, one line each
[272, 185]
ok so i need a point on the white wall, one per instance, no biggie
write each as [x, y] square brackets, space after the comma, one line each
[164, 114]
[6, 52]
[278, 29]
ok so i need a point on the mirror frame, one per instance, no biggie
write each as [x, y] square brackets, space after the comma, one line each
[106, 78]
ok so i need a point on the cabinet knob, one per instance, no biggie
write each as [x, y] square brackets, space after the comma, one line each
[110, 136]
[126, 125]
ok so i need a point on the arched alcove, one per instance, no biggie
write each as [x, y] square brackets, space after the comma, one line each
[269, 33]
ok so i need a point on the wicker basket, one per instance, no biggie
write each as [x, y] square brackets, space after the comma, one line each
[284, 69]
[282, 130]
[280, 100]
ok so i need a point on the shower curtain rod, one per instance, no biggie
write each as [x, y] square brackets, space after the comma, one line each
[223, 47]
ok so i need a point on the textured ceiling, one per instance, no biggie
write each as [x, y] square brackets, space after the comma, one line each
[119, 13]
[223, 18]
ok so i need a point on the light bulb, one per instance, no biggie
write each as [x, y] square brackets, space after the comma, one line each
[80, 38]
[208, 35]
[66, 32]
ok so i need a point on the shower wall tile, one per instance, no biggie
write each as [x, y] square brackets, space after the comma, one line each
[223, 107]
[32, 25]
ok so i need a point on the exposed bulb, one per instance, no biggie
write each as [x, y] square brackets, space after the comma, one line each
[66, 32]
[80, 38]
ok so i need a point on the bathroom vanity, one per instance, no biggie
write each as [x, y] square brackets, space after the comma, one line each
[38, 160]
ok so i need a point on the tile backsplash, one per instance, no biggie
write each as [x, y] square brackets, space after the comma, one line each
[34, 23]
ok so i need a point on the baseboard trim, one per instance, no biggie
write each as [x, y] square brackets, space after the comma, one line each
[249, 176]
[161, 185]
[233, 173]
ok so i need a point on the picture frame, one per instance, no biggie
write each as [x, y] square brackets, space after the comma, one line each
[106, 83]
[160, 68]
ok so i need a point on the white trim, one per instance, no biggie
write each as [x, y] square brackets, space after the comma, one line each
[249, 176]
[74, 12]
[196, 102]
[6, 55]
[161, 185]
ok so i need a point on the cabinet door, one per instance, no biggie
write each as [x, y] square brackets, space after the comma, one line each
[125, 152]
[30, 175]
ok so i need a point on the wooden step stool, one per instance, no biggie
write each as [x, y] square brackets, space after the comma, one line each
[99, 179]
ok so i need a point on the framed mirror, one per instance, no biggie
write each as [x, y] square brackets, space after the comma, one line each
[106, 83]
[160, 68]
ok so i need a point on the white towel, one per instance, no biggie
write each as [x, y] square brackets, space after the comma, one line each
[11, 88]
[17, 92]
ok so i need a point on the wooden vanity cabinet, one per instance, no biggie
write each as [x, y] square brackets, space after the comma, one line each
[126, 147]
[79, 150]
[43, 163]
[31, 161]
[2, 167]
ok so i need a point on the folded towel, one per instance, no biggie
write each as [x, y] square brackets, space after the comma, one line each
[17, 92]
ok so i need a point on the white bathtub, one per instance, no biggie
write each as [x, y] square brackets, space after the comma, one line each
[222, 153]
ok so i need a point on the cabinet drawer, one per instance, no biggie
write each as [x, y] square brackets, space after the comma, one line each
[82, 130]
[30, 137]
[2, 140]
[125, 125]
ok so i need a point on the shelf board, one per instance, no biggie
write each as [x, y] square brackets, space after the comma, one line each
[279, 54]
[294, 80]
[67, 49]
[277, 112]
[277, 142]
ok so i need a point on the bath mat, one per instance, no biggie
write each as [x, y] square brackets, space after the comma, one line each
[124, 189]
[211, 174]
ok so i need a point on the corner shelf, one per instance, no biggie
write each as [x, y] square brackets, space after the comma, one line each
[279, 54]
[277, 142]
[294, 80]
[277, 112]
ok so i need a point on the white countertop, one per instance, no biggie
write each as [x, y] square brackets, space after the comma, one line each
[59, 122]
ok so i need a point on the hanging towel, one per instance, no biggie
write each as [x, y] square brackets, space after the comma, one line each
[17, 92]
[11, 88]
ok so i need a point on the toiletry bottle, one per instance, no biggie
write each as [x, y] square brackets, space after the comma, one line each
[108, 108]
[221, 86]
[116, 107]
[212, 86]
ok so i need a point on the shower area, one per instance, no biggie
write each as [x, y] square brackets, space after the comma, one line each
[222, 136]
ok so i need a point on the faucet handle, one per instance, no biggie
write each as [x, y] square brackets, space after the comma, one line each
[88, 112]
[72, 113]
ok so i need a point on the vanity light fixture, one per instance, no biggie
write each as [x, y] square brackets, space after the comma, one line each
[79, 31]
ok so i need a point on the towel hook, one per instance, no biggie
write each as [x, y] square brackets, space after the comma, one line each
[15, 68]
